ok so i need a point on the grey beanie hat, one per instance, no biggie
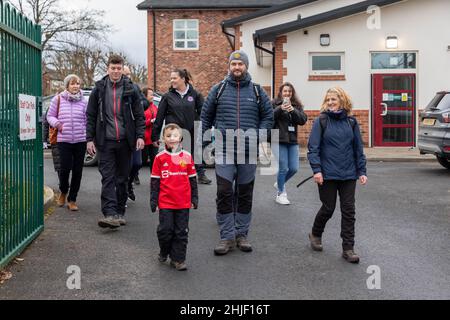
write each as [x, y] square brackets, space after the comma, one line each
[68, 78]
[239, 55]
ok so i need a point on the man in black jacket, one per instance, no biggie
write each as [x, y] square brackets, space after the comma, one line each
[115, 128]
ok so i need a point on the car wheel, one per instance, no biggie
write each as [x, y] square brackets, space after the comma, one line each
[90, 161]
[444, 162]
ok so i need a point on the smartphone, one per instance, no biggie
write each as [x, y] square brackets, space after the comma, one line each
[286, 101]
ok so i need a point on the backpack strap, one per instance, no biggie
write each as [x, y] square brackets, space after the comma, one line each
[220, 91]
[256, 89]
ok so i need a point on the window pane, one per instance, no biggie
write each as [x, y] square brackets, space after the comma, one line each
[192, 35]
[397, 60]
[192, 24]
[192, 44]
[397, 135]
[179, 44]
[397, 83]
[180, 24]
[326, 63]
[180, 35]
[398, 117]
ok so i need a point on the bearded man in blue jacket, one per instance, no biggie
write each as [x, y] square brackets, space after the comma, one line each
[236, 105]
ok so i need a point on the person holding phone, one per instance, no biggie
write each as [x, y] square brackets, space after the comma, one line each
[288, 115]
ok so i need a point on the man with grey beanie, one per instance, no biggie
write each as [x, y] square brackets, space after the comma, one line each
[239, 105]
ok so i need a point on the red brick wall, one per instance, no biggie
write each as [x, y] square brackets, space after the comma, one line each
[361, 115]
[208, 65]
[280, 56]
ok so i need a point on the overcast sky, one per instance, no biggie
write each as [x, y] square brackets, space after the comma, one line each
[130, 25]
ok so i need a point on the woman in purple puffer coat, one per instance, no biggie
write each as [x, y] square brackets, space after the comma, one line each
[70, 120]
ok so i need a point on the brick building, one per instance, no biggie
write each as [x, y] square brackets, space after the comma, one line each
[189, 34]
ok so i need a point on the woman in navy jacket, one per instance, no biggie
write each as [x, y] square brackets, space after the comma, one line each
[336, 156]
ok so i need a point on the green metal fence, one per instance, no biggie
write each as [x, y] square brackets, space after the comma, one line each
[21, 162]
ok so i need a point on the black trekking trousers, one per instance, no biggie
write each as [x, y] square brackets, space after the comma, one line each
[328, 195]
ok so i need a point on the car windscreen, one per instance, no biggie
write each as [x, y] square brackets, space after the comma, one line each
[440, 102]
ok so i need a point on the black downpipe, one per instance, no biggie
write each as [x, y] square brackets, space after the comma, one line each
[154, 50]
[232, 43]
[255, 41]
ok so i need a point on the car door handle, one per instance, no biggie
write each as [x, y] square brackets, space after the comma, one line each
[385, 111]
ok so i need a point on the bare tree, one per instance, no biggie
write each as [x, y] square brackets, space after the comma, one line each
[59, 25]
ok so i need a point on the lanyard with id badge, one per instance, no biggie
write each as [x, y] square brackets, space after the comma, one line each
[287, 101]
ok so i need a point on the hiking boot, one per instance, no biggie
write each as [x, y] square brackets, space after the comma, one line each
[224, 247]
[72, 206]
[121, 220]
[180, 266]
[350, 256]
[137, 181]
[316, 242]
[203, 179]
[131, 194]
[62, 200]
[243, 244]
[109, 222]
[162, 258]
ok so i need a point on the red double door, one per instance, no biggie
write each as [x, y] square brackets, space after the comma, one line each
[393, 110]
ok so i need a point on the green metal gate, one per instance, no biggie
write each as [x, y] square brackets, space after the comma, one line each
[21, 162]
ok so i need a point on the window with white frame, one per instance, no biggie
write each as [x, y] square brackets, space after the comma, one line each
[326, 64]
[185, 34]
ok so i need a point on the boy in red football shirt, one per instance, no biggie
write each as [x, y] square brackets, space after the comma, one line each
[174, 191]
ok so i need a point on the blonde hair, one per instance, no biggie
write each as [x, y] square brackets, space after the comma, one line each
[173, 126]
[344, 98]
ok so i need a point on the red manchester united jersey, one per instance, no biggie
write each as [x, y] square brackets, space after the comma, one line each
[174, 171]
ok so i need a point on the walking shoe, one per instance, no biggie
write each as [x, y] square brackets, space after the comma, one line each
[203, 179]
[316, 242]
[109, 222]
[282, 199]
[180, 266]
[350, 256]
[72, 206]
[62, 200]
[137, 181]
[243, 244]
[131, 194]
[162, 258]
[121, 220]
[224, 247]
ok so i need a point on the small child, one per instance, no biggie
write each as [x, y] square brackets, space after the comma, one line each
[174, 191]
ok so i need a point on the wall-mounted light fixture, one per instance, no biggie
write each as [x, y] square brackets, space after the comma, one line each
[324, 40]
[391, 42]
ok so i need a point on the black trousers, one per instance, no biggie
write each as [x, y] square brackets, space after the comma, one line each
[173, 232]
[114, 166]
[328, 195]
[148, 155]
[71, 157]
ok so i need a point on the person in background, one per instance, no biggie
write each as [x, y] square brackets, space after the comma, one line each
[182, 105]
[288, 115]
[150, 151]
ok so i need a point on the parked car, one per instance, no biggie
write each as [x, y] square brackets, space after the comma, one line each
[90, 161]
[434, 129]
